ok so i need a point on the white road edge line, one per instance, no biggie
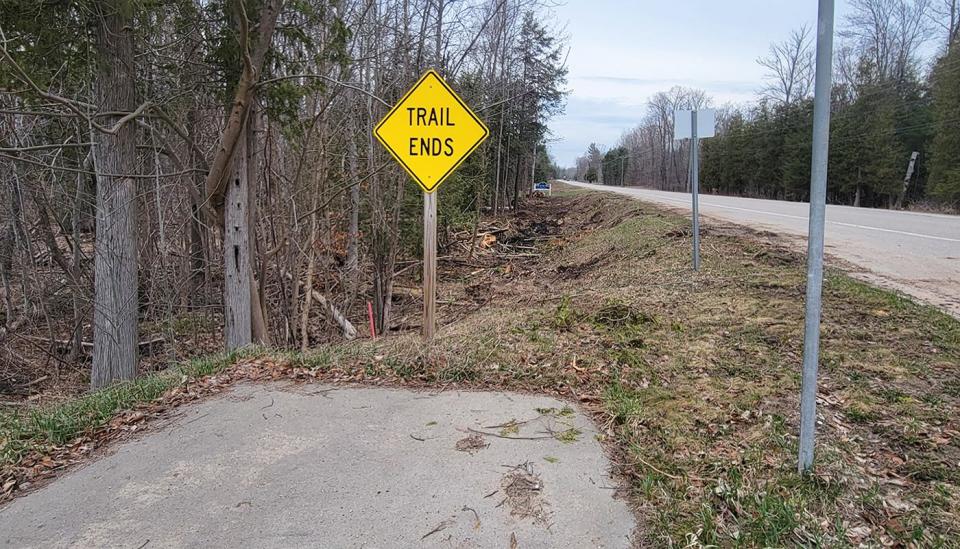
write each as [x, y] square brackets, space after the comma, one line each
[802, 218]
[841, 223]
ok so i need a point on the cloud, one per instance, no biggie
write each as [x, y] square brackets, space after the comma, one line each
[591, 121]
[710, 86]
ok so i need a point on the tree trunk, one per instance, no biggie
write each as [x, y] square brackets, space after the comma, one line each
[231, 188]
[6, 266]
[216, 181]
[353, 233]
[197, 229]
[856, 197]
[516, 183]
[236, 254]
[308, 285]
[259, 330]
[115, 264]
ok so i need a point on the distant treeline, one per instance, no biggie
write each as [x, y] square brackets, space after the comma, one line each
[875, 127]
[889, 100]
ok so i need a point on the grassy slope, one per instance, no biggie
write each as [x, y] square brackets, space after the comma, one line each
[694, 377]
[697, 376]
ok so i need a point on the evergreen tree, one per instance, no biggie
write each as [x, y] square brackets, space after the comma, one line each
[945, 149]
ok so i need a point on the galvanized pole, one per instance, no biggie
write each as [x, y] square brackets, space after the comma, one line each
[818, 196]
[695, 188]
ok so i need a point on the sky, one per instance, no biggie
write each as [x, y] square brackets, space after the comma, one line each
[624, 51]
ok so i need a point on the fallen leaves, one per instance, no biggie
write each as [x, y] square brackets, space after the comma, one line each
[45, 463]
[471, 444]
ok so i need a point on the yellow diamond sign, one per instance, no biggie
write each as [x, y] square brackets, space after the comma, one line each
[430, 131]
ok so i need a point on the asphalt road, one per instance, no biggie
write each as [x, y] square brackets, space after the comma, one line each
[283, 466]
[916, 253]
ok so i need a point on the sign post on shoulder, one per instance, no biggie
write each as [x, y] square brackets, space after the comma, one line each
[694, 125]
[430, 132]
[823, 79]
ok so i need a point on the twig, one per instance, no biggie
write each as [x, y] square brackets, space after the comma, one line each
[34, 382]
[506, 437]
[513, 423]
[439, 527]
[666, 474]
[475, 514]
[347, 85]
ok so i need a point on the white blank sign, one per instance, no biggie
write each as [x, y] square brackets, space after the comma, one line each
[706, 123]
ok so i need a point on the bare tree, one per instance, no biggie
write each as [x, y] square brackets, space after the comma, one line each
[889, 33]
[239, 173]
[789, 67]
[946, 15]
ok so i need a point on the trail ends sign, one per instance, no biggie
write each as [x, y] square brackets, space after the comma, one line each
[430, 131]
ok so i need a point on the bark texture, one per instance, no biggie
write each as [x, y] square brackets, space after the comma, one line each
[236, 255]
[115, 264]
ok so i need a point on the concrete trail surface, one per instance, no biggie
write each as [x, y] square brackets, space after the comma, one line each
[916, 253]
[312, 466]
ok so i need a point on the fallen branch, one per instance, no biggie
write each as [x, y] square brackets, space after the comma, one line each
[489, 434]
[349, 332]
[34, 382]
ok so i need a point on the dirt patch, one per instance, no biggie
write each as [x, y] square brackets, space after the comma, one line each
[471, 444]
[573, 271]
[679, 232]
[523, 491]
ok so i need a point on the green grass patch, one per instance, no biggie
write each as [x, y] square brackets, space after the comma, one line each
[623, 404]
[57, 424]
[568, 436]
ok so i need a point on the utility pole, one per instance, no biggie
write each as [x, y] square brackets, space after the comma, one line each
[622, 168]
[907, 178]
[695, 188]
[818, 198]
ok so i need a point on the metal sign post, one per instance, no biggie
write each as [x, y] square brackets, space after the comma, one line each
[694, 125]
[430, 132]
[695, 188]
[818, 200]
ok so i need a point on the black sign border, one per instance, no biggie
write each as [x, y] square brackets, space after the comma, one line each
[442, 178]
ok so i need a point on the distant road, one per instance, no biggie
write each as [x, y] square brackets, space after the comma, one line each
[916, 253]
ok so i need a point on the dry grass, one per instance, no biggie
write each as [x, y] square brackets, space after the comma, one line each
[695, 377]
